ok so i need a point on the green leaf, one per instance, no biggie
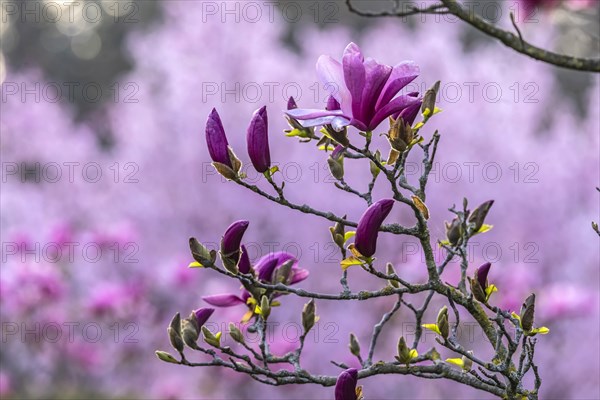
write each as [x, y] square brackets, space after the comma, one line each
[489, 290]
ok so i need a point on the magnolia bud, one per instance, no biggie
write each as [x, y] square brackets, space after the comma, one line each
[336, 167]
[309, 316]
[210, 338]
[374, 168]
[174, 331]
[429, 99]
[166, 357]
[189, 333]
[442, 322]
[478, 215]
[400, 134]
[265, 308]
[528, 313]
[354, 345]
[283, 274]
[235, 333]
[368, 226]
[403, 356]
[338, 234]
[201, 254]
[477, 290]
[389, 270]
[454, 231]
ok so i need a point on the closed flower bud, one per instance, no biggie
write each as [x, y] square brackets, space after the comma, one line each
[368, 226]
[400, 134]
[258, 141]
[429, 99]
[477, 291]
[231, 241]
[442, 322]
[309, 317]
[403, 356]
[345, 386]
[528, 313]
[283, 274]
[338, 234]
[189, 333]
[202, 315]
[374, 167]
[216, 140]
[389, 270]
[174, 332]
[481, 274]
[478, 215]
[454, 231]
[210, 338]
[166, 357]
[336, 163]
[265, 307]
[236, 333]
[354, 345]
[201, 254]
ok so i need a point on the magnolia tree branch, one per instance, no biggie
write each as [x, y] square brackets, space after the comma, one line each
[515, 42]
[266, 284]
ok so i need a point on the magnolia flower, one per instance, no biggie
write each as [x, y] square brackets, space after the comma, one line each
[269, 268]
[216, 139]
[368, 226]
[365, 90]
[345, 387]
[202, 315]
[258, 140]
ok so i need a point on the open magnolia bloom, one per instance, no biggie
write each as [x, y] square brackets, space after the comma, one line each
[364, 88]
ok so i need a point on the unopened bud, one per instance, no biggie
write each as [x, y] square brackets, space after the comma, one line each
[403, 356]
[174, 331]
[400, 134]
[528, 313]
[338, 234]
[389, 270]
[478, 215]
[454, 231]
[442, 322]
[201, 254]
[235, 333]
[336, 167]
[309, 317]
[189, 334]
[210, 338]
[265, 308]
[429, 99]
[477, 290]
[354, 345]
[166, 357]
[374, 168]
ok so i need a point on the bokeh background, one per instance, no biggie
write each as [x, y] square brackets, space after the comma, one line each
[105, 175]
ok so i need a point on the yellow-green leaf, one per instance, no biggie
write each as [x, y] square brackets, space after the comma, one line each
[437, 110]
[413, 353]
[489, 290]
[195, 264]
[484, 228]
[348, 235]
[432, 327]
[274, 169]
[327, 148]
[350, 261]
[541, 330]
[456, 361]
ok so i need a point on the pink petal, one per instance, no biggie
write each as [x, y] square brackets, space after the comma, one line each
[402, 74]
[223, 300]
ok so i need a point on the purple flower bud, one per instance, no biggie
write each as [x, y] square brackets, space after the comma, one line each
[258, 141]
[267, 265]
[291, 103]
[482, 273]
[244, 265]
[203, 314]
[223, 300]
[216, 139]
[232, 238]
[332, 104]
[345, 387]
[337, 152]
[368, 226]
[265, 273]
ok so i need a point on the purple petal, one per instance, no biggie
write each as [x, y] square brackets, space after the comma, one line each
[376, 77]
[332, 76]
[339, 149]
[313, 117]
[299, 275]
[291, 104]
[354, 75]
[332, 104]
[244, 264]
[482, 274]
[368, 226]
[216, 140]
[223, 300]
[258, 141]
[345, 387]
[267, 264]
[233, 237]
[402, 74]
[312, 113]
[203, 314]
[396, 105]
[409, 114]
